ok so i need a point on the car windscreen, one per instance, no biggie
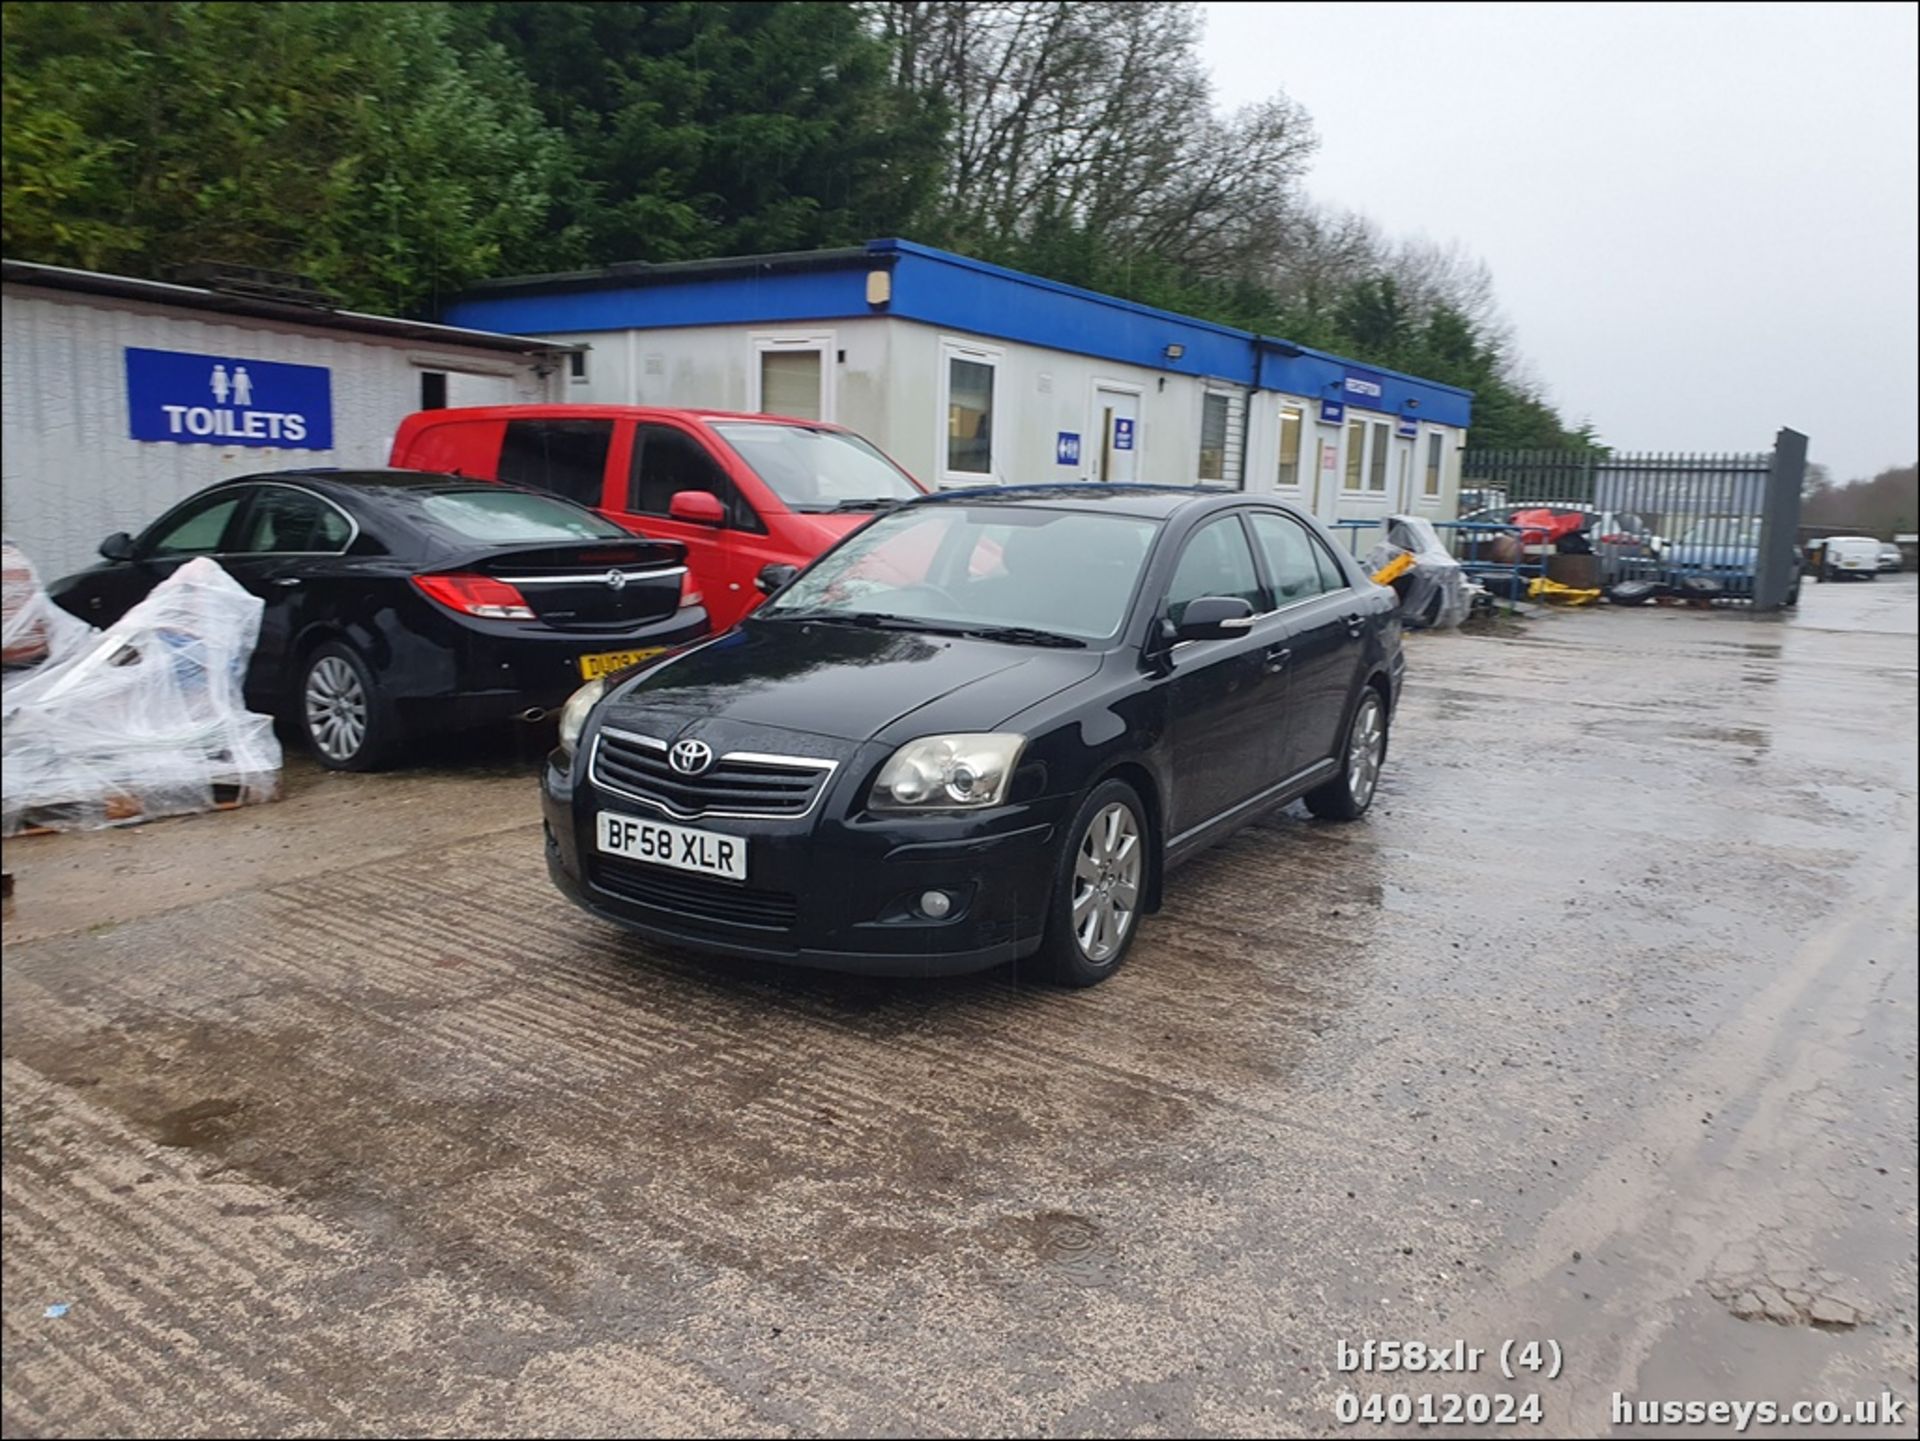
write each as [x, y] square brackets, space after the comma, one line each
[812, 469]
[508, 517]
[994, 567]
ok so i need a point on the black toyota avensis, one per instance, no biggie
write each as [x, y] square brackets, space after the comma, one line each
[982, 728]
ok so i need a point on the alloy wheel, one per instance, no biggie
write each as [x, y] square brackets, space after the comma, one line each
[1106, 882]
[1366, 747]
[336, 704]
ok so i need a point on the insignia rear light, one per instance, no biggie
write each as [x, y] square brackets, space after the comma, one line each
[475, 595]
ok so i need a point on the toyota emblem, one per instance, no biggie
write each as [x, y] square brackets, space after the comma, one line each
[616, 580]
[690, 758]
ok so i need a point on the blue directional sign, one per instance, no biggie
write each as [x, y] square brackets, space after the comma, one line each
[188, 399]
[1066, 450]
[1122, 432]
[1364, 388]
[1332, 412]
[1409, 427]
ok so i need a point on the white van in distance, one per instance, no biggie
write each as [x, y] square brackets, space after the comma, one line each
[1852, 557]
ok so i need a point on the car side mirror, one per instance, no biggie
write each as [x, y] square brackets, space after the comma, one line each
[697, 507]
[774, 575]
[1213, 616]
[118, 546]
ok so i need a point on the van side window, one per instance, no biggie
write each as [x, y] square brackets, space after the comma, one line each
[565, 457]
[667, 460]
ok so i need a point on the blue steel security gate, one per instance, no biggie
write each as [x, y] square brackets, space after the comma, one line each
[1714, 526]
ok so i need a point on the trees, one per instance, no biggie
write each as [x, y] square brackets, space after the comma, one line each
[1083, 144]
[397, 152]
[1082, 139]
[1885, 506]
[720, 129]
[350, 143]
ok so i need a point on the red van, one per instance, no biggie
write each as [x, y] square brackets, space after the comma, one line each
[742, 491]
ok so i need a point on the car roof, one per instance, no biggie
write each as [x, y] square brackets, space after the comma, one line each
[373, 481]
[1157, 502]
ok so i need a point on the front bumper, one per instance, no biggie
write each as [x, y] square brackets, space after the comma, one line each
[833, 890]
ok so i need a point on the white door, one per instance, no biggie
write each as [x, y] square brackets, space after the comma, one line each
[1115, 434]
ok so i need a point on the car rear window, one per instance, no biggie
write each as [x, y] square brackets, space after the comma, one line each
[492, 514]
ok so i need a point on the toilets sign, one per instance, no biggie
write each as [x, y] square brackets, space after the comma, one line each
[188, 399]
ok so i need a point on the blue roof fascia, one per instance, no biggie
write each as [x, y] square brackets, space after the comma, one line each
[956, 292]
[1298, 370]
[775, 298]
[937, 287]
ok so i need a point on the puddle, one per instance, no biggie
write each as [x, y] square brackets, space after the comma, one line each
[197, 1127]
[1071, 1247]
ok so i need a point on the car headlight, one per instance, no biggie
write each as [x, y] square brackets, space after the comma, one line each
[947, 773]
[573, 715]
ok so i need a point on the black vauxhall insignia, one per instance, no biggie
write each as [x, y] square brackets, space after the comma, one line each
[401, 604]
[980, 729]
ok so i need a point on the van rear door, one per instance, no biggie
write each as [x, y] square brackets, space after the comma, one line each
[450, 443]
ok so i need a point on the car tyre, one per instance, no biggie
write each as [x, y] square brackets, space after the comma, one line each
[1363, 752]
[347, 722]
[1099, 884]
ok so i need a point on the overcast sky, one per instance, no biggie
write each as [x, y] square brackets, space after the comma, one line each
[1701, 219]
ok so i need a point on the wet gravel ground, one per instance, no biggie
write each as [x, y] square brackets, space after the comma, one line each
[331, 1117]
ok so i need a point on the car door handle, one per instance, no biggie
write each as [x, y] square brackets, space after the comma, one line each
[286, 580]
[1356, 624]
[1278, 657]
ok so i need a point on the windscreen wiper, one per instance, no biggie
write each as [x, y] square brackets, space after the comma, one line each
[1024, 635]
[877, 502]
[866, 619]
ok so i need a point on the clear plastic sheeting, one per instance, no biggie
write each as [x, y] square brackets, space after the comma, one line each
[146, 719]
[33, 630]
[1434, 590]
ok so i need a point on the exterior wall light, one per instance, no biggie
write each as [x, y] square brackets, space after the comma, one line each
[1174, 352]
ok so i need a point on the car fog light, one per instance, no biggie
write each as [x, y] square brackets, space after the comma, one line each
[936, 904]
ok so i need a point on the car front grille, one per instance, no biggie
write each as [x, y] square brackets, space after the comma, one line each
[739, 783]
[695, 898]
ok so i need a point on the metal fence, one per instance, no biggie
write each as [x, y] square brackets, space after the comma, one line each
[1709, 526]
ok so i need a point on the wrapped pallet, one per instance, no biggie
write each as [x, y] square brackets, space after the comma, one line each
[33, 629]
[145, 718]
[1432, 586]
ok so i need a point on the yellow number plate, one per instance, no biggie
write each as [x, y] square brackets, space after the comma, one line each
[607, 662]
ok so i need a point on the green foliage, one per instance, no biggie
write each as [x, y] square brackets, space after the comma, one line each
[722, 129]
[347, 142]
[397, 152]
